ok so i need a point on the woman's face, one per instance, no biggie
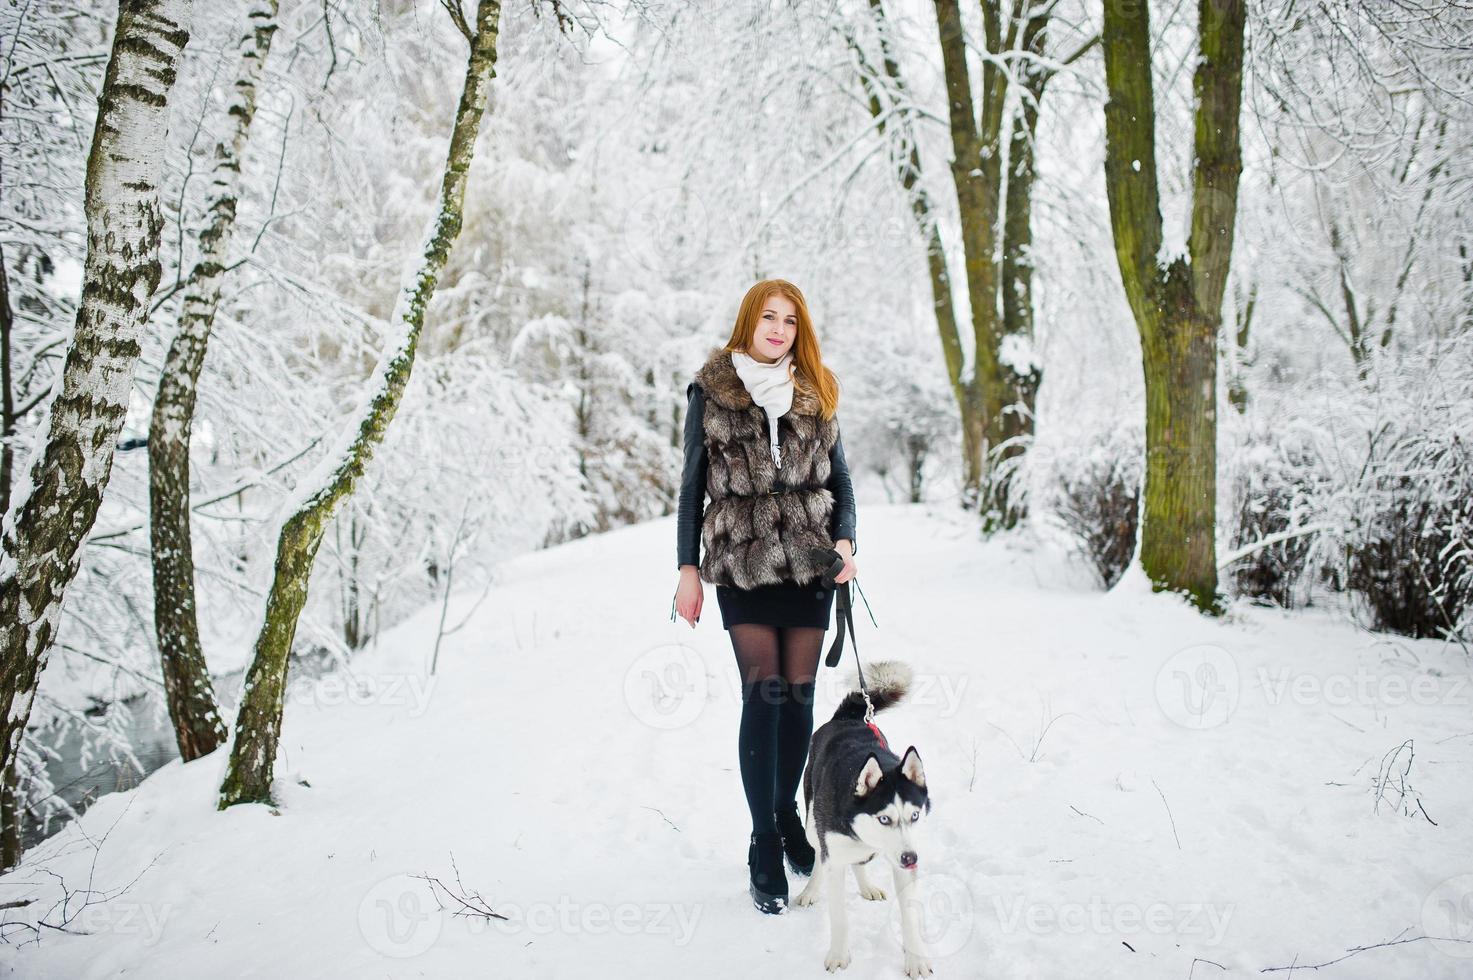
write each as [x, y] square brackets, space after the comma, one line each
[777, 328]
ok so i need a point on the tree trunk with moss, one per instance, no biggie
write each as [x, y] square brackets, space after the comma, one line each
[964, 391]
[995, 403]
[258, 724]
[1177, 304]
[10, 814]
[976, 174]
[198, 728]
[57, 504]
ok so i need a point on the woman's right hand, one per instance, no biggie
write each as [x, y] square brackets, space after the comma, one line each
[689, 595]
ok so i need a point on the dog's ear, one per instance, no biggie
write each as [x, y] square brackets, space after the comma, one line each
[911, 768]
[869, 776]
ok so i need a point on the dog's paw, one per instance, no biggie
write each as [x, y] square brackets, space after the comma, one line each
[808, 896]
[836, 960]
[872, 892]
[917, 965]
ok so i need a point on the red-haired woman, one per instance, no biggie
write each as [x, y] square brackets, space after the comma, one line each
[762, 441]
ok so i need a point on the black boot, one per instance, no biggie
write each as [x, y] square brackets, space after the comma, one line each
[795, 842]
[769, 886]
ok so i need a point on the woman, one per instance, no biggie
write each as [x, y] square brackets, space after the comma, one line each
[762, 439]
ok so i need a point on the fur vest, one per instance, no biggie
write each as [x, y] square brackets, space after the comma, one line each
[762, 521]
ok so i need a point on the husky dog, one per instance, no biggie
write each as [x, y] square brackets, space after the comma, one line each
[861, 801]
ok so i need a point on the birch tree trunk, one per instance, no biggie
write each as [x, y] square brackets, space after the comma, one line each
[258, 723]
[1178, 304]
[66, 476]
[198, 727]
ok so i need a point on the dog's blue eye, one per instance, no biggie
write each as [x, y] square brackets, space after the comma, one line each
[884, 819]
[915, 816]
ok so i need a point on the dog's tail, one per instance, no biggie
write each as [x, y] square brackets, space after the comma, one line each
[888, 681]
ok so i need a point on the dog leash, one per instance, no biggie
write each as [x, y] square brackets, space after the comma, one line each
[844, 617]
[848, 608]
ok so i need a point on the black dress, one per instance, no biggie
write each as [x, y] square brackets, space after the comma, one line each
[786, 603]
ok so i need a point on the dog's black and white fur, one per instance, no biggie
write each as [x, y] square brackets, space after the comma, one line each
[861, 801]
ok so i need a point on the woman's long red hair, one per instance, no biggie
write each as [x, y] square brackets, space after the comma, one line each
[807, 358]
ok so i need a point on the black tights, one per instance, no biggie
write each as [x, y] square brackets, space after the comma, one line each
[778, 665]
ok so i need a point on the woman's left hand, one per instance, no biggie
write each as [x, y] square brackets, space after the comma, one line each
[845, 548]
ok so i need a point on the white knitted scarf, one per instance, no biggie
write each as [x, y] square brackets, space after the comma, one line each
[771, 386]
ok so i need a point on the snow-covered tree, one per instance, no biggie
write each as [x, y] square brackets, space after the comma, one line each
[68, 469]
[258, 723]
[197, 723]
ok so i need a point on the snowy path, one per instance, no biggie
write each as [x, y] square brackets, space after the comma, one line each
[1132, 839]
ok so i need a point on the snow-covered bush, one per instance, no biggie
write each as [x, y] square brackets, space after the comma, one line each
[1096, 495]
[1278, 486]
[1410, 556]
[1403, 505]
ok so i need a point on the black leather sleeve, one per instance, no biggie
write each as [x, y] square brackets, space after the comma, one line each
[692, 480]
[841, 525]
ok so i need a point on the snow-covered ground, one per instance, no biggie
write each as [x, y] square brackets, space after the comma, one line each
[1121, 788]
